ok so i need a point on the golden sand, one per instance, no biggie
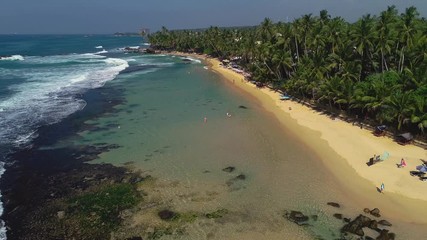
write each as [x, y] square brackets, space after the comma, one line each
[345, 149]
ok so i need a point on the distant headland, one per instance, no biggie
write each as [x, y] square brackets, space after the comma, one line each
[126, 34]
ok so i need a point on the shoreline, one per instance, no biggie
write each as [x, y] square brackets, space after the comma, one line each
[38, 186]
[345, 149]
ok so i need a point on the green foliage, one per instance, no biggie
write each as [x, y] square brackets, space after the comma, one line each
[217, 214]
[375, 66]
[98, 211]
[188, 217]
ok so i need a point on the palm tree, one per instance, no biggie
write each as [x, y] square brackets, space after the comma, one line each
[296, 34]
[212, 37]
[376, 65]
[334, 32]
[362, 35]
[419, 116]
[386, 35]
[399, 106]
[306, 25]
[407, 32]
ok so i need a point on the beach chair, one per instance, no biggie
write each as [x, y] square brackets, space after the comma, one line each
[417, 173]
[371, 162]
[380, 130]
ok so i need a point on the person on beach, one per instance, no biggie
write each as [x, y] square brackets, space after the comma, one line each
[205, 119]
[228, 114]
[402, 163]
[382, 188]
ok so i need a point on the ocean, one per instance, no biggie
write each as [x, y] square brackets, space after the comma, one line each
[42, 78]
[166, 117]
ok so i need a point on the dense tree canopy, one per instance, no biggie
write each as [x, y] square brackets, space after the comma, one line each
[375, 67]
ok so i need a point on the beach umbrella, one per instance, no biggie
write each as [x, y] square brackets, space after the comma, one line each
[422, 168]
[385, 156]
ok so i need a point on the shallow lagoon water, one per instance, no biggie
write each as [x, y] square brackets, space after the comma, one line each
[161, 131]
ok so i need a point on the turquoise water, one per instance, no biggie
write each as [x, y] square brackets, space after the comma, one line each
[161, 131]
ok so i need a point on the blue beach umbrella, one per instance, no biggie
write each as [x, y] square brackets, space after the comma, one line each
[422, 168]
[385, 156]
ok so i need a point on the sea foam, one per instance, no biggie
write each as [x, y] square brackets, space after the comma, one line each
[192, 59]
[101, 52]
[50, 93]
[12, 58]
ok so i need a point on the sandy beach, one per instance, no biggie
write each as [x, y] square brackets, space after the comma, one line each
[403, 193]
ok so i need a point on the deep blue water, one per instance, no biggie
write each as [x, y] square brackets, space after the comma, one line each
[47, 45]
[42, 79]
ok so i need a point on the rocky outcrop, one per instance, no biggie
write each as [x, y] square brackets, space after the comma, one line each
[150, 51]
[334, 204]
[297, 217]
[167, 214]
[386, 235]
[375, 212]
[385, 223]
[356, 226]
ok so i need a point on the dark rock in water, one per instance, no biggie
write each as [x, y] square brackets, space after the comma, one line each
[167, 214]
[134, 238]
[333, 204]
[241, 177]
[296, 217]
[338, 215]
[369, 238]
[347, 220]
[229, 169]
[366, 210]
[373, 225]
[235, 179]
[385, 235]
[243, 107]
[385, 223]
[375, 212]
[150, 50]
[356, 226]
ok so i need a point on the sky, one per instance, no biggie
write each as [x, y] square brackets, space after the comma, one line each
[109, 16]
